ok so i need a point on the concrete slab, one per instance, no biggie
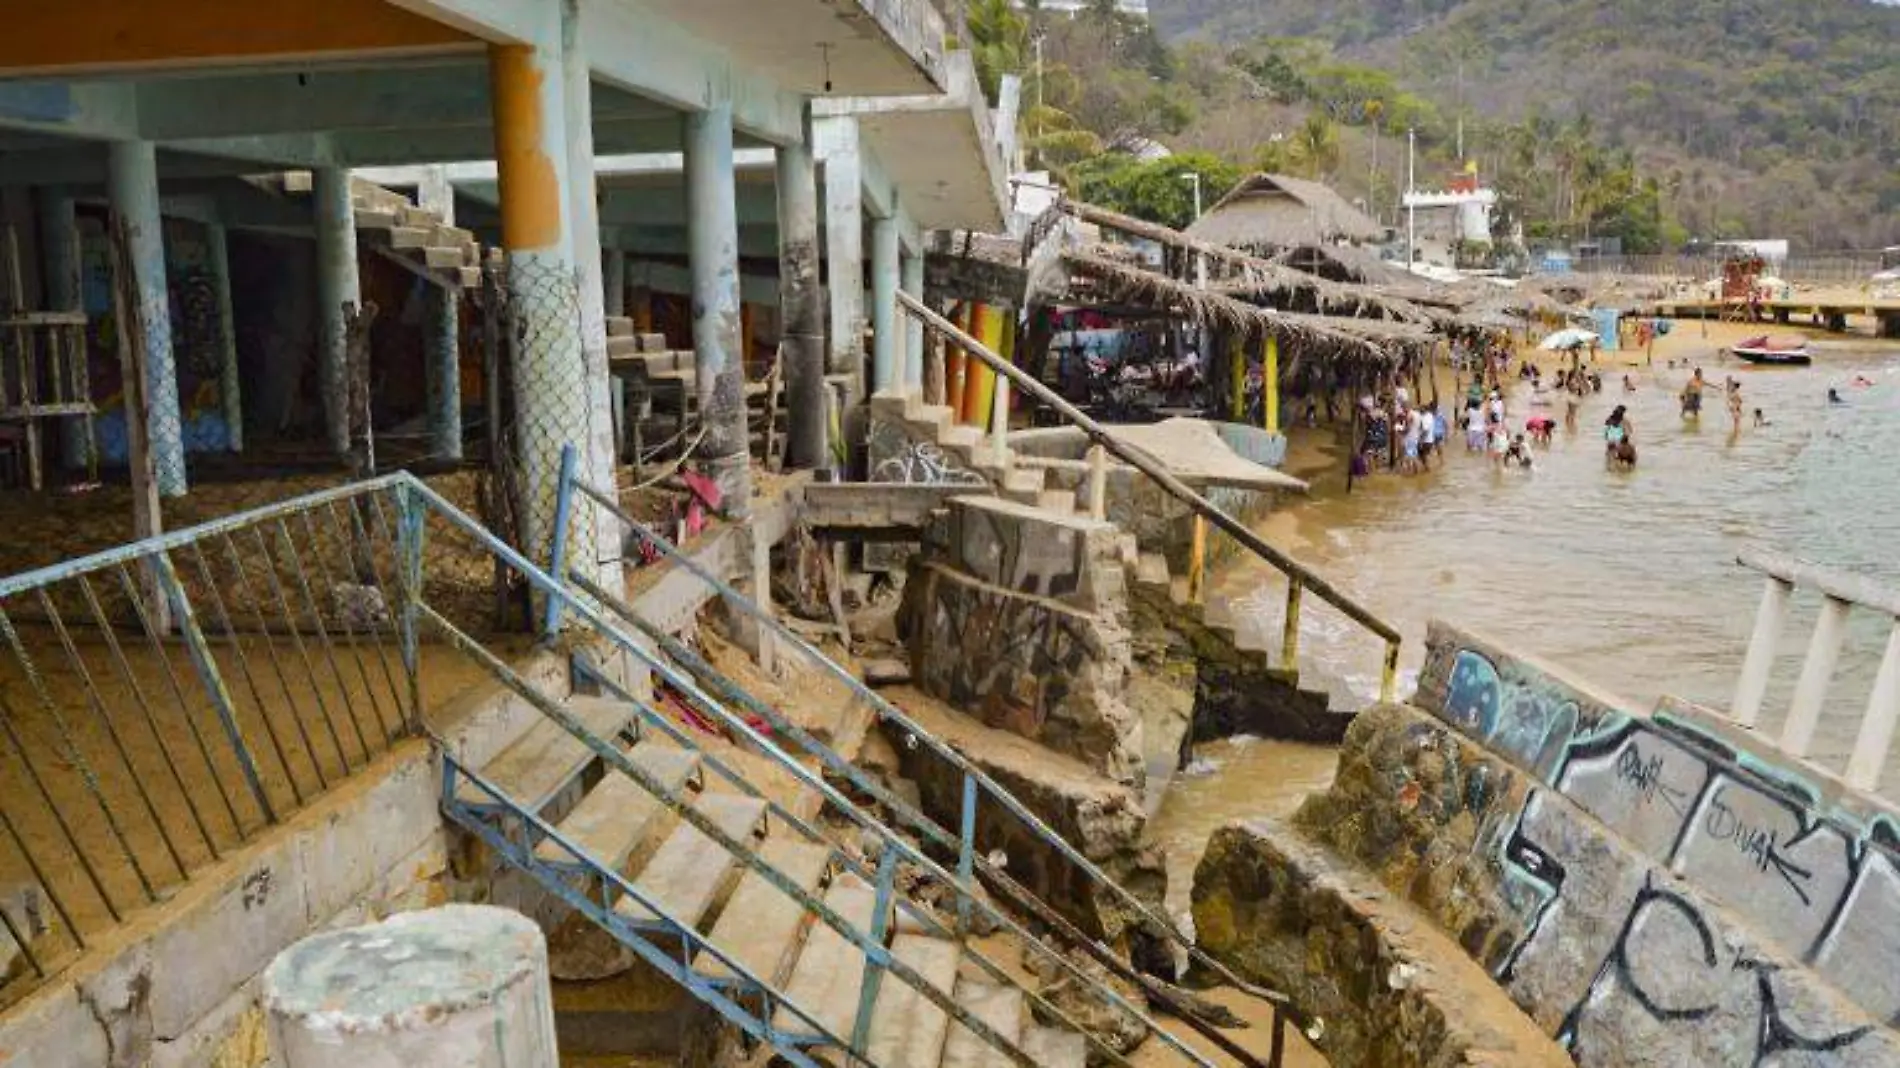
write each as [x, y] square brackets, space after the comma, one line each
[1196, 454]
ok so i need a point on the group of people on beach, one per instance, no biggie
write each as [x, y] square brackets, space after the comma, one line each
[1398, 434]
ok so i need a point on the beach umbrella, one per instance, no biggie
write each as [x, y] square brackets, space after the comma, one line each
[1570, 338]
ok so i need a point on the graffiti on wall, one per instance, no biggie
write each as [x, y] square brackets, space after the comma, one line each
[895, 456]
[1822, 886]
[1017, 659]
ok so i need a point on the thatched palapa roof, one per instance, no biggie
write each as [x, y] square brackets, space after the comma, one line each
[1272, 211]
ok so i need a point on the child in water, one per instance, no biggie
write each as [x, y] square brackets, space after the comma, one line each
[1519, 453]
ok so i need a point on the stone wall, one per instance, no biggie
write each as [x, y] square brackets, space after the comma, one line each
[1818, 878]
[1018, 617]
[1612, 953]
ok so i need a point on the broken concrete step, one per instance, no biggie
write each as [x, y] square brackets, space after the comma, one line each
[376, 220]
[907, 1030]
[1055, 1047]
[618, 814]
[1002, 1008]
[830, 970]
[410, 215]
[1151, 569]
[546, 759]
[620, 326]
[404, 237]
[652, 342]
[1061, 501]
[621, 345]
[760, 926]
[469, 277]
[960, 437]
[1022, 485]
[441, 258]
[451, 235]
[688, 873]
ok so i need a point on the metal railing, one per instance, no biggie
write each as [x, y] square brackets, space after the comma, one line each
[1299, 577]
[977, 790]
[164, 702]
[1841, 594]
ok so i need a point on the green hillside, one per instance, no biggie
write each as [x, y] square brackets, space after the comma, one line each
[1752, 117]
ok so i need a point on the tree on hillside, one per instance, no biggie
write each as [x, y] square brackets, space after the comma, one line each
[1155, 191]
[1316, 147]
[999, 42]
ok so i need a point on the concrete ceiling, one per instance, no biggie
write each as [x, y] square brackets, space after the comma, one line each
[859, 47]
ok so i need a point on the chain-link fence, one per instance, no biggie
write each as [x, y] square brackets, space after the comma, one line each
[541, 376]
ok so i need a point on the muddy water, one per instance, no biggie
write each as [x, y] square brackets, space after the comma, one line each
[1626, 578]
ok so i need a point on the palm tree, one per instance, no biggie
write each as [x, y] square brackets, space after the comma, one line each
[999, 42]
[1316, 146]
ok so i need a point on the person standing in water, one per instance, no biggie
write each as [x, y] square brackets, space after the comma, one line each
[1617, 433]
[1734, 405]
[1692, 396]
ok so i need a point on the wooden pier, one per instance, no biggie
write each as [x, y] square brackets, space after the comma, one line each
[1827, 310]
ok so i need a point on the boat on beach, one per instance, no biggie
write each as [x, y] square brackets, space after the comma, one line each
[1781, 352]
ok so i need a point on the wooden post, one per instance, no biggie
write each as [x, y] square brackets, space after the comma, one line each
[1270, 384]
[1237, 370]
[128, 313]
[1197, 561]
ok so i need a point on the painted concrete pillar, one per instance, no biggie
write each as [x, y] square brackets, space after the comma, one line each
[801, 308]
[550, 368]
[844, 240]
[713, 244]
[339, 295]
[435, 193]
[884, 327]
[132, 174]
[462, 985]
[444, 373]
[613, 273]
[913, 284]
[59, 252]
[230, 393]
[577, 96]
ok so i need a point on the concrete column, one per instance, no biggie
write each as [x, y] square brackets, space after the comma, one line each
[613, 272]
[913, 284]
[230, 393]
[551, 395]
[59, 251]
[884, 278]
[801, 311]
[435, 193]
[713, 243]
[444, 372]
[577, 97]
[132, 174]
[462, 985]
[844, 240]
[339, 293]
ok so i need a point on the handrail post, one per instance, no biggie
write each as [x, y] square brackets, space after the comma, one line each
[1817, 672]
[1197, 560]
[873, 971]
[1098, 482]
[1770, 619]
[410, 527]
[1290, 630]
[966, 854]
[999, 422]
[1876, 730]
[557, 553]
[1389, 674]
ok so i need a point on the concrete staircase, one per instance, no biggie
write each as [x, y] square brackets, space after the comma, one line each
[416, 238]
[686, 880]
[1241, 687]
[1034, 481]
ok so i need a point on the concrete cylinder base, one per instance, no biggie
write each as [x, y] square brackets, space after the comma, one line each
[463, 986]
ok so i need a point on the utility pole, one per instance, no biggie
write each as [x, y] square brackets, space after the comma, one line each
[1411, 196]
[1461, 110]
[1200, 262]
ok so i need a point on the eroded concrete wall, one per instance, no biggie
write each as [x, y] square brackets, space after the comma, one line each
[1018, 617]
[1819, 880]
[1617, 957]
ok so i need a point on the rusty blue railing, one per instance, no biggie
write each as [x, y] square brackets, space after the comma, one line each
[977, 786]
[163, 702]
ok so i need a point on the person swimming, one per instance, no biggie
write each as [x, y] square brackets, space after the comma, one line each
[1834, 396]
[1761, 420]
